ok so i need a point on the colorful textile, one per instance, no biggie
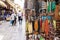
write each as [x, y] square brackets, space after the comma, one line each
[43, 27]
[30, 28]
[53, 5]
[48, 6]
[54, 24]
[46, 26]
[27, 26]
[36, 25]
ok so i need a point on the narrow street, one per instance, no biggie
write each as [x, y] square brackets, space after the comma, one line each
[8, 32]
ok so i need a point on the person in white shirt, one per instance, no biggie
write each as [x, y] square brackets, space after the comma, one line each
[20, 17]
[13, 15]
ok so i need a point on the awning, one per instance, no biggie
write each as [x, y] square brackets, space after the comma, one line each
[10, 3]
[3, 4]
[14, 5]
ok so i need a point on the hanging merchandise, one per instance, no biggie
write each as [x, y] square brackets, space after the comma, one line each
[33, 37]
[36, 25]
[30, 37]
[40, 23]
[53, 6]
[32, 18]
[49, 17]
[27, 25]
[54, 24]
[44, 6]
[48, 6]
[43, 18]
[46, 24]
[42, 29]
[30, 28]
[41, 38]
[33, 25]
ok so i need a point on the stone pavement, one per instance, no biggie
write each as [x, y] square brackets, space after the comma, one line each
[8, 32]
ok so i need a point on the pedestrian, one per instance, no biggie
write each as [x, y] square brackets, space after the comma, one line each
[20, 17]
[13, 18]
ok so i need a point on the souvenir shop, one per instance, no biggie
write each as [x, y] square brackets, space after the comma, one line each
[43, 23]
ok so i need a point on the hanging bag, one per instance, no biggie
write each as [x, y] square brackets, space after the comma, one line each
[46, 23]
[48, 6]
[27, 25]
[40, 23]
[30, 27]
[54, 24]
[53, 6]
[42, 29]
[36, 25]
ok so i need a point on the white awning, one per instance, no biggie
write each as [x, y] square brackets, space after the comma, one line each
[10, 3]
[2, 4]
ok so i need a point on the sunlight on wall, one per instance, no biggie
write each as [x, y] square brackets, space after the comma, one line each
[20, 2]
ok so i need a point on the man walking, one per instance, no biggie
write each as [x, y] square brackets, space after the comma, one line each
[20, 17]
[13, 15]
